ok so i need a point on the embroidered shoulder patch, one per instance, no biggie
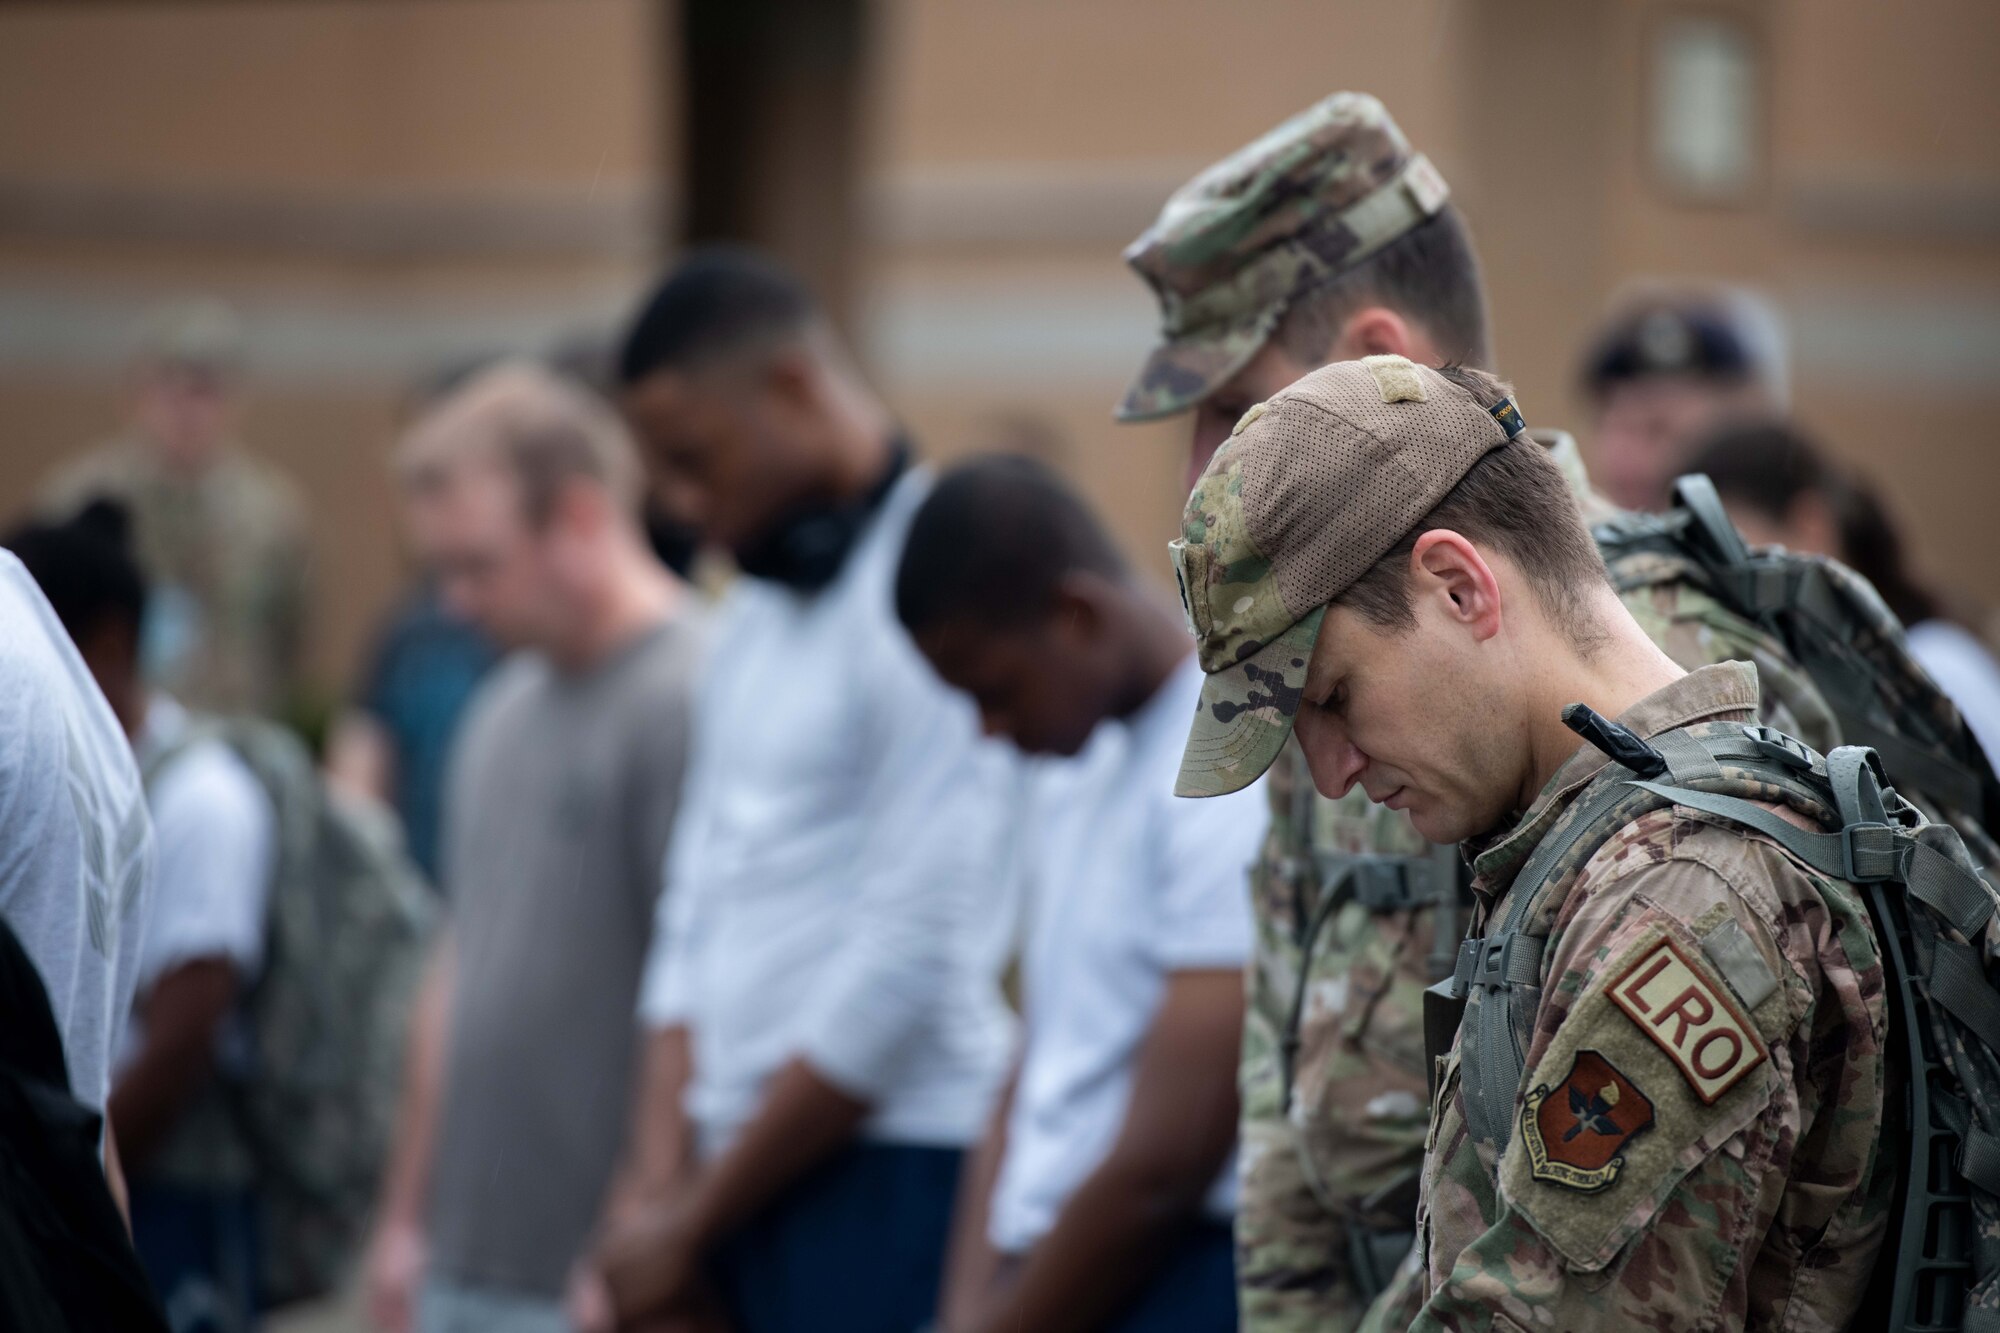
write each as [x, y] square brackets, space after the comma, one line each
[1576, 1132]
[1696, 1021]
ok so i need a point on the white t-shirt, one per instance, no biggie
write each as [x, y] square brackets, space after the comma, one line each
[76, 848]
[1128, 884]
[837, 881]
[1966, 672]
[216, 831]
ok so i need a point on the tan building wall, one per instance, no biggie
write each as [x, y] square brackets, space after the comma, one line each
[384, 187]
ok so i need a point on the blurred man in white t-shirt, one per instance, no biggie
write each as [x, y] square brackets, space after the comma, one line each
[192, 1180]
[1102, 1195]
[76, 847]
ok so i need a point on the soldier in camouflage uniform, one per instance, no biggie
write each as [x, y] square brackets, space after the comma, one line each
[1696, 1143]
[1328, 239]
[221, 534]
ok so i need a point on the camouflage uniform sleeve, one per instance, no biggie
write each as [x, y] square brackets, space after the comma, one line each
[1336, 1167]
[1710, 1035]
[1289, 1248]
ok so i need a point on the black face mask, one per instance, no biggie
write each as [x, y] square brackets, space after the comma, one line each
[806, 548]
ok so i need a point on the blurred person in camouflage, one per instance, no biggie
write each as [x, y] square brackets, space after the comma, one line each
[221, 534]
[1669, 367]
[522, 495]
[1665, 1105]
[1328, 239]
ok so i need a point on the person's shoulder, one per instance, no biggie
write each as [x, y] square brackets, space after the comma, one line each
[31, 714]
[1692, 959]
[1679, 866]
[209, 786]
[1695, 862]
[38, 690]
[108, 467]
[656, 686]
[513, 685]
[1945, 648]
[678, 642]
[258, 488]
[870, 577]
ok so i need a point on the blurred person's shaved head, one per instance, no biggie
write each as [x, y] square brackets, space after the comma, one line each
[751, 417]
[522, 495]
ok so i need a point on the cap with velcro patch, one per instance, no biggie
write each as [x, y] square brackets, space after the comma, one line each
[1311, 489]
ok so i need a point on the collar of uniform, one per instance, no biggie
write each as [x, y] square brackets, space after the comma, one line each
[1561, 446]
[1724, 692]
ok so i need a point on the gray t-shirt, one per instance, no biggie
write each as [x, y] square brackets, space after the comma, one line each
[76, 848]
[562, 795]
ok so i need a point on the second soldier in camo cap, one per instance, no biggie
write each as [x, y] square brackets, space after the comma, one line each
[1327, 238]
[1330, 238]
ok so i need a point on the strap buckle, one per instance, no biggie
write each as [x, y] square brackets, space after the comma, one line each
[1779, 748]
[1497, 962]
[1871, 853]
[1396, 883]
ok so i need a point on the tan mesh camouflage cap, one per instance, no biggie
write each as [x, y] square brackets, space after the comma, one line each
[1236, 244]
[1311, 489]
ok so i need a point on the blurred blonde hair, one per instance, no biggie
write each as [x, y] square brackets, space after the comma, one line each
[543, 428]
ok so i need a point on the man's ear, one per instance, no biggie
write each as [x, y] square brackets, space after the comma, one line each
[1077, 608]
[1378, 331]
[1445, 565]
[581, 506]
[793, 377]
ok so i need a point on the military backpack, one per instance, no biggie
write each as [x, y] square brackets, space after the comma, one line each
[309, 1116]
[1840, 633]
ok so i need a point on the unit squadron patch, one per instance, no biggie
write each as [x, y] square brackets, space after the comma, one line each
[1576, 1132]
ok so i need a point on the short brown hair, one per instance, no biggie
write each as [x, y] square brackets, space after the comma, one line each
[1429, 274]
[541, 427]
[1515, 501]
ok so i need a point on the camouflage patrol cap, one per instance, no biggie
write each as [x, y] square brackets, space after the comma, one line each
[1235, 245]
[1311, 489]
[200, 334]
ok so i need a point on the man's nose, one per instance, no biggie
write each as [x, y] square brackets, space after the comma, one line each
[1333, 758]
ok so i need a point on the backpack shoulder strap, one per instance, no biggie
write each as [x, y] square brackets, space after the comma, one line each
[160, 758]
[1499, 977]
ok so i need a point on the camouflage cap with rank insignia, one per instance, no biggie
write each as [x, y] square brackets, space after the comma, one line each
[1235, 245]
[1309, 491]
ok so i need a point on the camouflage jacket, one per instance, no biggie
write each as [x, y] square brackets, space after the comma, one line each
[1340, 1156]
[225, 553]
[1695, 1143]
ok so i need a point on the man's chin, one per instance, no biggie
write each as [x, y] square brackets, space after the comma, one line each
[1443, 827]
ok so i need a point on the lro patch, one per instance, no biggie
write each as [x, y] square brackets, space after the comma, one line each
[1700, 1026]
[1576, 1132]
